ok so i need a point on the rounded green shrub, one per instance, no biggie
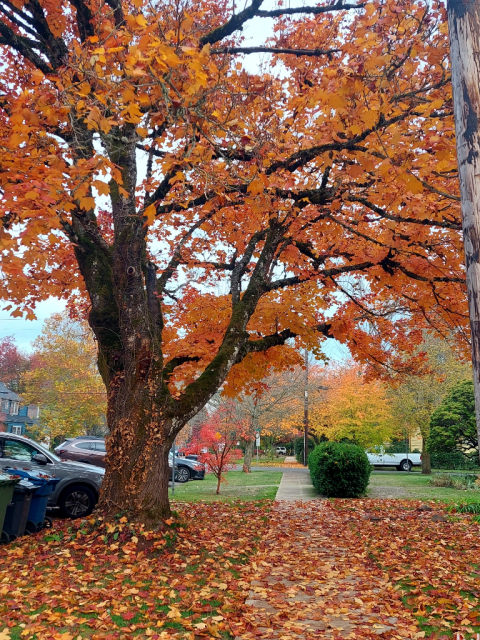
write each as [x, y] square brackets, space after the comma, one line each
[339, 470]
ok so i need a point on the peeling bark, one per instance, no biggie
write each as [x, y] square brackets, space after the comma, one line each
[464, 28]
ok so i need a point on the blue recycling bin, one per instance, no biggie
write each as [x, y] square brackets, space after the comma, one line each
[45, 484]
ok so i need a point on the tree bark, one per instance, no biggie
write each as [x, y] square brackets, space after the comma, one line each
[137, 475]
[464, 29]
[426, 466]
[247, 460]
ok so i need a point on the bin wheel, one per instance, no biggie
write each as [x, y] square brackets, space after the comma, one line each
[30, 528]
[47, 524]
[4, 538]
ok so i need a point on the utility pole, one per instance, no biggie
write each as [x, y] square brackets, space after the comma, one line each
[464, 30]
[305, 411]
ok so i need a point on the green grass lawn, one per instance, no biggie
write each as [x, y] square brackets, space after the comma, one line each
[258, 485]
[414, 486]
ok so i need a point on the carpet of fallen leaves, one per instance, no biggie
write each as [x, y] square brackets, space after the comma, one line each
[365, 569]
[88, 579]
[353, 569]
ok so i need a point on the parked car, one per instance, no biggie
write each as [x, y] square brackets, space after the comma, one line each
[188, 469]
[86, 449]
[77, 492]
[281, 451]
[401, 461]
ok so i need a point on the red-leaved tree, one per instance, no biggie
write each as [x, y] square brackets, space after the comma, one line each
[219, 437]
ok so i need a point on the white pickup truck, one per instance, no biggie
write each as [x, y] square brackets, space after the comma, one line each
[401, 461]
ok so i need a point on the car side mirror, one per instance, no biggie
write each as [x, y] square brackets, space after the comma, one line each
[40, 458]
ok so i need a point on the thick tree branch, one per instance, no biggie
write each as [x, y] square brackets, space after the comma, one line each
[284, 11]
[279, 50]
[235, 23]
[24, 46]
[175, 362]
[384, 214]
[277, 339]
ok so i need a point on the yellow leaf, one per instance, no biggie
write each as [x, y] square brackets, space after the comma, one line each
[255, 187]
[142, 132]
[93, 39]
[123, 519]
[150, 213]
[140, 20]
[31, 195]
[87, 203]
[102, 187]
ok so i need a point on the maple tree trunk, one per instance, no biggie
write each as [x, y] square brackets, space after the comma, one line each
[137, 474]
[426, 465]
[464, 29]
[247, 460]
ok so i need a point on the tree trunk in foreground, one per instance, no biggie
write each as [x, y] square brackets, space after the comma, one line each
[426, 466]
[464, 28]
[138, 479]
[247, 460]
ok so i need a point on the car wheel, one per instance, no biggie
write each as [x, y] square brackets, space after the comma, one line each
[182, 475]
[77, 501]
[405, 465]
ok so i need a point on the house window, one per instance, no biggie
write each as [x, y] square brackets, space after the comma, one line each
[14, 409]
[17, 429]
[6, 404]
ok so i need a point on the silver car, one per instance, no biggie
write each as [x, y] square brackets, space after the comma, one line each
[77, 492]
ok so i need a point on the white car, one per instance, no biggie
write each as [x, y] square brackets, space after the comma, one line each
[281, 451]
[401, 461]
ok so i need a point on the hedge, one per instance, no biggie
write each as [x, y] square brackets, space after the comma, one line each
[453, 460]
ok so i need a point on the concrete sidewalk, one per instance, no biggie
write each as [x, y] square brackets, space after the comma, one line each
[296, 485]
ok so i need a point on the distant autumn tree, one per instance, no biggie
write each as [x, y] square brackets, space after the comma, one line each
[145, 168]
[415, 397]
[216, 444]
[13, 363]
[271, 407]
[352, 409]
[64, 380]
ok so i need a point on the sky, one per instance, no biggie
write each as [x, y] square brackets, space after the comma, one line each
[25, 331]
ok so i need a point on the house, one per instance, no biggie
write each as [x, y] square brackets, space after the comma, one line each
[15, 418]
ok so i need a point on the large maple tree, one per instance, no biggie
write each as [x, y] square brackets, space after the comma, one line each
[209, 213]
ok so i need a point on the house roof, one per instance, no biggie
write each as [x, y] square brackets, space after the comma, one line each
[6, 394]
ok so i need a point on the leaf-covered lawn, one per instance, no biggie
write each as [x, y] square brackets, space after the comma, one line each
[258, 485]
[413, 485]
[360, 565]
[101, 581]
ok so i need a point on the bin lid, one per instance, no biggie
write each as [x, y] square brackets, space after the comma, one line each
[6, 480]
[24, 486]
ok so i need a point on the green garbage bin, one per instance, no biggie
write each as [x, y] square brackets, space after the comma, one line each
[7, 484]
